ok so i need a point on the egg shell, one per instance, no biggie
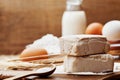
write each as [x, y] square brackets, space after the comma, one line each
[112, 30]
[94, 28]
[31, 52]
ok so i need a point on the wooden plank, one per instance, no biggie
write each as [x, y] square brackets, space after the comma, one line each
[23, 21]
[101, 10]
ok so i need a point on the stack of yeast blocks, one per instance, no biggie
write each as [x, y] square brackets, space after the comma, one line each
[86, 53]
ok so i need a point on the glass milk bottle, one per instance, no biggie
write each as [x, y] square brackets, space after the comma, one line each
[74, 19]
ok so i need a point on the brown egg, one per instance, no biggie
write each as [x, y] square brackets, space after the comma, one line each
[94, 28]
[30, 52]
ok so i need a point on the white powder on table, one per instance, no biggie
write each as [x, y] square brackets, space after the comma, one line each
[49, 42]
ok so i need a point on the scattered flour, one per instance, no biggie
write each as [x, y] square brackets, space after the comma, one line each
[49, 42]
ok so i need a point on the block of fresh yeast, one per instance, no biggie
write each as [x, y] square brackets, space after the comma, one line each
[93, 63]
[81, 45]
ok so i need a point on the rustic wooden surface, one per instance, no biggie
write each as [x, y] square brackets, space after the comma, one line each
[62, 77]
[23, 21]
[54, 76]
[72, 77]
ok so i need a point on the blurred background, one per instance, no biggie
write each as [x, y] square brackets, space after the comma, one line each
[23, 21]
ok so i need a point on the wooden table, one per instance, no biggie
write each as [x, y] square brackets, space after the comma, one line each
[60, 77]
[72, 77]
[69, 77]
[76, 77]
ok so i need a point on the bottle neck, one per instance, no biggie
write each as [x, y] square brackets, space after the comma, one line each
[73, 7]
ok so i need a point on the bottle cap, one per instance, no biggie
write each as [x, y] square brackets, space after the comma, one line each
[73, 5]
